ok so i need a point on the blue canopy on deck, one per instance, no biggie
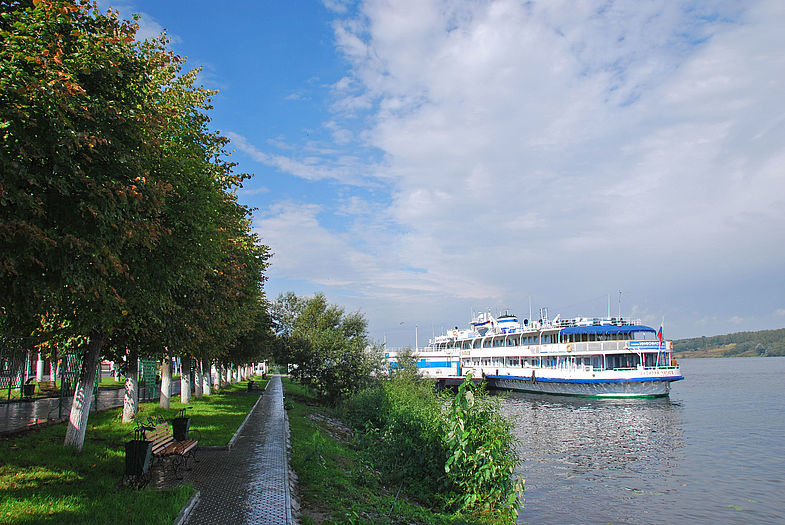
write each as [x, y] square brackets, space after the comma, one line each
[606, 329]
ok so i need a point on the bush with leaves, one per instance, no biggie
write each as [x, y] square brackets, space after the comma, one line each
[328, 349]
[482, 458]
[453, 450]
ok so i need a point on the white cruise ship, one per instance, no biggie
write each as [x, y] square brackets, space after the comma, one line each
[595, 357]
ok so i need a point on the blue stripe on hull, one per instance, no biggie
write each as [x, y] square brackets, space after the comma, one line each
[642, 388]
[559, 380]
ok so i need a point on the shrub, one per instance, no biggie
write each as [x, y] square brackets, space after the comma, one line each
[482, 458]
[455, 451]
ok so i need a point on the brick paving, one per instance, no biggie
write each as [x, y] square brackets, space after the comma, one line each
[250, 482]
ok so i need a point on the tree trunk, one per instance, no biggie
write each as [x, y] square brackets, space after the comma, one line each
[83, 396]
[166, 381]
[198, 379]
[39, 368]
[207, 377]
[185, 380]
[53, 369]
[131, 398]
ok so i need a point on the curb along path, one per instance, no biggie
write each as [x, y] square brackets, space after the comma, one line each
[250, 482]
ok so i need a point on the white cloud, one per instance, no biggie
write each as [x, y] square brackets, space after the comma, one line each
[343, 169]
[552, 147]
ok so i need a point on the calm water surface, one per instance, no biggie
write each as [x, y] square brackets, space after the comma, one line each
[714, 452]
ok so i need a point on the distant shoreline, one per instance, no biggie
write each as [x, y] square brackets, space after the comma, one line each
[711, 355]
[763, 343]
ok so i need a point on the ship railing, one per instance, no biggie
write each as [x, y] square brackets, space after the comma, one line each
[599, 346]
[594, 321]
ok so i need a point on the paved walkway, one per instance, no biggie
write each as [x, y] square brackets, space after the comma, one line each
[19, 415]
[250, 482]
[247, 484]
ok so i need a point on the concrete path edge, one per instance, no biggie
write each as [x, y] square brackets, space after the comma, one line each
[186, 511]
[231, 442]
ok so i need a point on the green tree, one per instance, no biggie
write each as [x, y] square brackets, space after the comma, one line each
[76, 200]
[328, 349]
[115, 200]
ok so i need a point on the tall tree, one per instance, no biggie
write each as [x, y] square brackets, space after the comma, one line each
[330, 349]
[114, 198]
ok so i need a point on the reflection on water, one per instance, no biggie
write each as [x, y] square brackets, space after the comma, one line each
[575, 449]
[714, 452]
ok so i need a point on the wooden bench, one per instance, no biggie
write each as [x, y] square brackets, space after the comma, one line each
[165, 446]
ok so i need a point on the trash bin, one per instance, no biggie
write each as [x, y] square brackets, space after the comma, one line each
[180, 428]
[137, 457]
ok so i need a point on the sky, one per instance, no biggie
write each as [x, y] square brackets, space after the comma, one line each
[421, 160]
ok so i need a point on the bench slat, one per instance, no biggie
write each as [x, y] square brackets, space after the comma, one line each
[164, 443]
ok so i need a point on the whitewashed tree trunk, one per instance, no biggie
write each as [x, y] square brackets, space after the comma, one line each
[83, 396]
[207, 377]
[185, 380]
[131, 397]
[53, 370]
[39, 368]
[198, 379]
[166, 382]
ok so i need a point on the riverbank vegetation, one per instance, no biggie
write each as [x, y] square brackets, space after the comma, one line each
[739, 344]
[41, 482]
[387, 448]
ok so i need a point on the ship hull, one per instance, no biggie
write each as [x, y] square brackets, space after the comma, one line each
[631, 388]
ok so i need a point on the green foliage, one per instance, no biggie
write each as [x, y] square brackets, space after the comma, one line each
[328, 349]
[400, 426]
[740, 344]
[337, 482]
[119, 219]
[41, 483]
[482, 458]
[456, 451]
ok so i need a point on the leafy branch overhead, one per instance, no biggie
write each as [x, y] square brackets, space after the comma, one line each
[118, 218]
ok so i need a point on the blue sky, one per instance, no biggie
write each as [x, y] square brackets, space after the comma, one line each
[420, 160]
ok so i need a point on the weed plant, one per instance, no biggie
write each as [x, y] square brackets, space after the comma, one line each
[337, 481]
[454, 451]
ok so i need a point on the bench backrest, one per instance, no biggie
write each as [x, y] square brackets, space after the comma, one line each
[161, 436]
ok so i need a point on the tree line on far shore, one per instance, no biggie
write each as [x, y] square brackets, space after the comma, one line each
[739, 344]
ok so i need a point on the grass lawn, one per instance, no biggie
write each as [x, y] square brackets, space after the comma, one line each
[336, 484]
[41, 481]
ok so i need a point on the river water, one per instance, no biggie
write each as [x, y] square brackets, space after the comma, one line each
[713, 452]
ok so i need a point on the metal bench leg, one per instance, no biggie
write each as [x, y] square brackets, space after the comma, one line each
[176, 462]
